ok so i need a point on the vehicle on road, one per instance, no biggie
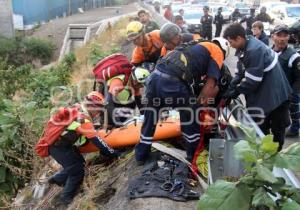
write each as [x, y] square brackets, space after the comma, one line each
[192, 19]
[243, 8]
[287, 14]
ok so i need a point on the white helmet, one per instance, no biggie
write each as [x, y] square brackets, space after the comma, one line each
[223, 43]
[140, 74]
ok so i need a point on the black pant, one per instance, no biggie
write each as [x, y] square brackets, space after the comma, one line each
[276, 121]
[207, 33]
[218, 30]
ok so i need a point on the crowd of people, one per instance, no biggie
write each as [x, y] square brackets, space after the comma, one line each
[188, 74]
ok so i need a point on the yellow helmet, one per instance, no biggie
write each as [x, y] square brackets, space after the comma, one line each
[134, 30]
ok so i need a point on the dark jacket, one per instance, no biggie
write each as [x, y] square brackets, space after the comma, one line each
[260, 77]
[151, 26]
[263, 17]
[264, 38]
[249, 19]
[219, 20]
[290, 62]
[206, 21]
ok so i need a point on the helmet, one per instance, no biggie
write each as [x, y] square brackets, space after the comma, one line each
[140, 74]
[134, 30]
[168, 31]
[223, 43]
[95, 98]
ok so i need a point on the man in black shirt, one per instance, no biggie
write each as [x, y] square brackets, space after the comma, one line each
[206, 21]
[219, 21]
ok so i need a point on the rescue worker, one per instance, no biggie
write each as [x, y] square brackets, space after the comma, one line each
[178, 20]
[81, 130]
[258, 32]
[206, 21]
[249, 19]
[168, 13]
[219, 21]
[171, 36]
[148, 24]
[148, 45]
[290, 63]
[258, 69]
[177, 83]
[235, 15]
[122, 98]
[263, 16]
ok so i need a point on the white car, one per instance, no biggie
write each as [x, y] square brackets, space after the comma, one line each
[286, 14]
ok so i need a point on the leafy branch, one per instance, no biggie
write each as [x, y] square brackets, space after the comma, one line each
[258, 188]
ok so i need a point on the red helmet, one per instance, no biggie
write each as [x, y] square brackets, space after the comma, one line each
[95, 98]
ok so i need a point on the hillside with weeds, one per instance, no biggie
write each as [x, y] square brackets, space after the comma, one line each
[30, 94]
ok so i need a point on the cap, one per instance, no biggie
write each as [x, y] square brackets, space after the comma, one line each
[281, 28]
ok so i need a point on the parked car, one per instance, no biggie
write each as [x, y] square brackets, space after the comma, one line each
[287, 14]
[243, 8]
[192, 19]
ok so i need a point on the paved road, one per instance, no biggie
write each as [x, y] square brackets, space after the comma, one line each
[55, 30]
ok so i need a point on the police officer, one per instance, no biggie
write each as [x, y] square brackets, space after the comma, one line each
[290, 62]
[181, 72]
[249, 19]
[263, 16]
[235, 15]
[206, 21]
[219, 21]
[258, 69]
[81, 130]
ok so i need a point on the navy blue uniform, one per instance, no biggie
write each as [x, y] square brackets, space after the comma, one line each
[167, 88]
[261, 79]
[290, 62]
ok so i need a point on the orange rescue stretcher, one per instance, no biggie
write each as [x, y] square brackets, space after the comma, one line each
[130, 135]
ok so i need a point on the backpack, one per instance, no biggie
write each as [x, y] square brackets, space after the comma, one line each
[54, 128]
[112, 66]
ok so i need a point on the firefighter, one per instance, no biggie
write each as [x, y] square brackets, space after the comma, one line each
[181, 72]
[206, 21]
[258, 69]
[148, 45]
[171, 36]
[290, 62]
[79, 131]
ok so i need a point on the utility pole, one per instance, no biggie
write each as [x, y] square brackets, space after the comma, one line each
[6, 18]
[69, 7]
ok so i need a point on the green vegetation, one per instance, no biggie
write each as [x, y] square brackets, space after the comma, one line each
[25, 105]
[19, 51]
[258, 188]
[97, 53]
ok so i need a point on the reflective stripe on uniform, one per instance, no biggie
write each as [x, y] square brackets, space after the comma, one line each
[191, 138]
[292, 59]
[274, 62]
[252, 77]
